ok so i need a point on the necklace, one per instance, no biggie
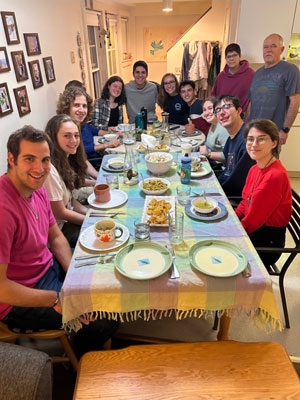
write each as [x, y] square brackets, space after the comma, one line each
[259, 172]
[29, 206]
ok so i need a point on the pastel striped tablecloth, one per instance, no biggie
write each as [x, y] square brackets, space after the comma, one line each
[104, 292]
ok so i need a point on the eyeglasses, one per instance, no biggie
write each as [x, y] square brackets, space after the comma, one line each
[231, 56]
[258, 140]
[224, 107]
[169, 83]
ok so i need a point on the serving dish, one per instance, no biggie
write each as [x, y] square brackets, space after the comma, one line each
[162, 221]
[161, 183]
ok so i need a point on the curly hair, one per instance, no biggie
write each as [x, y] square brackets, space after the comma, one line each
[162, 94]
[105, 92]
[65, 99]
[72, 169]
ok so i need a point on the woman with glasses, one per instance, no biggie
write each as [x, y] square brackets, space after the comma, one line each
[170, 100]
[236, 76]
[266, 206]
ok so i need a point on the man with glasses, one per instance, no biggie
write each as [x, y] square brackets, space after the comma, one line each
[237, 161]
[275, 89]
[236, 76]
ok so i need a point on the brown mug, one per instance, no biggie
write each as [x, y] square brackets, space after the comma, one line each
[102, 193]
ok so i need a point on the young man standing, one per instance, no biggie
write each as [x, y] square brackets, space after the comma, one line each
[236, 77]
[140, 93]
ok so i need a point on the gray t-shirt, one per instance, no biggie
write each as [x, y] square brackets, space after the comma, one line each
[138, 98]
[270, 90]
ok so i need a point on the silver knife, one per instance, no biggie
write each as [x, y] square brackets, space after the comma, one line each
[95, 255]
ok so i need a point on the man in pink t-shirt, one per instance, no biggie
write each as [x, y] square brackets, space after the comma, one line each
[31, 276]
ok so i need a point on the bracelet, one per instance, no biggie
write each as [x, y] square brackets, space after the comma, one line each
[208, 155]
[56, 300]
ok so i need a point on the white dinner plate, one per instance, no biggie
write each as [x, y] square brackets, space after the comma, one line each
[118, 197]
[169, 199]
[177, 142]
[89, 241]
[143, 260]
[217, 258]
[204, 170]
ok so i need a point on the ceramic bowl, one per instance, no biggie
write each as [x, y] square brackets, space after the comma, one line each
[203, 206]
[154, 187]
[110, 136]
[115, 163]
[159, 163]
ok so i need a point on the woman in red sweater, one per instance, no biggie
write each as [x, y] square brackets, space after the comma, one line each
[266, 206]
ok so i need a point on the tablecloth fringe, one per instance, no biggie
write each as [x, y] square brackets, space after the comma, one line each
[261, 317]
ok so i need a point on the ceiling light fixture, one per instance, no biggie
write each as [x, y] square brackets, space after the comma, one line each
[167, 5]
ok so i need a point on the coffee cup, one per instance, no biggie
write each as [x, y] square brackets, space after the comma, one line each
[186, 148]
[107, 231]
[102, 193]
[189, 128]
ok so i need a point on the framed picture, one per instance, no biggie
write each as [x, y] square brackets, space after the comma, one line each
[19, 65]
[36, 75]
[32, 44]
[22, 100]
[10, 27]
[4, 63]
[5, 103]
[49, 69]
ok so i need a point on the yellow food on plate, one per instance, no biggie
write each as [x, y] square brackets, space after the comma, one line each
[158, 211]
[154, 184]
[157, 147]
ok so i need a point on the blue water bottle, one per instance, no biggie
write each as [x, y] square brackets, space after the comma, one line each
[186, 167]
[139, 121]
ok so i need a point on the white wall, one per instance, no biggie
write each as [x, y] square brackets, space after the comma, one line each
[57, 23]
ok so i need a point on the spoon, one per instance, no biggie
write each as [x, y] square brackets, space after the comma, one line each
[204, 196]
[142, 176]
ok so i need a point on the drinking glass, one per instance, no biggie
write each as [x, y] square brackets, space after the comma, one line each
[141, 230]
[183, 194]
[113, 181]
[176, 226]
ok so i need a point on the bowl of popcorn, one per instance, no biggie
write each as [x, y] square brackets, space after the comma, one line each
[159, 163]
[154, 186]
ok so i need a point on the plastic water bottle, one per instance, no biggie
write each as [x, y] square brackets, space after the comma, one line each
[144, 117]
[186, 167]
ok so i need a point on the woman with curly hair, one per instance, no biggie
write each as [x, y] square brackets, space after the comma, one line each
[74, 101]
[68, 172]
[108, 110]
[170, 100]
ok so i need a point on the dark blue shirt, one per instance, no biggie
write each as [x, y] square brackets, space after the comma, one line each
[178, 110]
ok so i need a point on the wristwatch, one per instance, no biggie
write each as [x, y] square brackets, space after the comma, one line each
[285, 129]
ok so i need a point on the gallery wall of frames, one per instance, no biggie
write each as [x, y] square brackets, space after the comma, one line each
[33, 66]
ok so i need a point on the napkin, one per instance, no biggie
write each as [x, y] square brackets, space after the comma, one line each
[148, 141]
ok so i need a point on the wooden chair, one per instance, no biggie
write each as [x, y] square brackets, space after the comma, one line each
[206, 370]
[294, 229]
[6, 335]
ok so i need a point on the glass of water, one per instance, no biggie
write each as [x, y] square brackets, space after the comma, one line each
[141, 230]
[176, 227]
[183, 194]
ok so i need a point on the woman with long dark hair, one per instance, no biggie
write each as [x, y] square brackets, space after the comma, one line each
[68, 172]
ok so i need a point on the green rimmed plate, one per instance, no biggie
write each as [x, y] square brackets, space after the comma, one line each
[143, 260]
[217, 258]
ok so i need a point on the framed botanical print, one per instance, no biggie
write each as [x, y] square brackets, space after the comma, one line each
[36, 75]
[10, 27]
[19, 65]
[32, 43]
[4, 62]
[22, 100]
[5, 103]
[49, 69]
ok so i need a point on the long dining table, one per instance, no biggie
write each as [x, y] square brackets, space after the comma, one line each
[99, 290]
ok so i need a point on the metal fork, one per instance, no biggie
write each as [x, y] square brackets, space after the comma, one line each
[174, 273]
